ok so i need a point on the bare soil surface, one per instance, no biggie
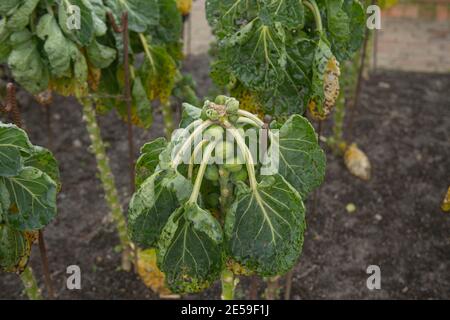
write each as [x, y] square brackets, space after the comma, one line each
[403, 124]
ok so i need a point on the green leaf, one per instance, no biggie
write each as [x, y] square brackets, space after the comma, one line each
[15, 249]
[8, 6]
[33, 199]
[288, 12]
[347, 34]
[259, 61]
[13, 142]
[301, 160]
[153, 203]
[56, 45]
[337, 19]
[190, 114]
[82, 34]
[42, 159]
[5, 48]
[141, 103]
[141, 13]
[169, 28]
[264, 228]
[26, 64]
[190, 249]
[148, 161]
[21, 17]
[100, 55]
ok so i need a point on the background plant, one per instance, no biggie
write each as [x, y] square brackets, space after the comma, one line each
[279, 57]
[45, 55]
[29, 182]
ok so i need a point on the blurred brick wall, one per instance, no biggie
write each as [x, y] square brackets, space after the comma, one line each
[438, 10]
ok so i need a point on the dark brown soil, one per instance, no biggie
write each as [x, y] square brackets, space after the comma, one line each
[403, 124]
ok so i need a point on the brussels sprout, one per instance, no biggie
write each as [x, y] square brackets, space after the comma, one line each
[225, 150]
[233, 118]
[221, 99]
[212, 173]
[212, 114]
[241, 175]
[232, 106]
[232, 165]
[214, 133]
[212, 199]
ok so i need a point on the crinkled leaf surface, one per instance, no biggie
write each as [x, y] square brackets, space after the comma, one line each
[15, 249]
[32, 196]
[85, 32]
[153, 203]
[100, 55]
[21, 17]
[7, 6]
[13, 141]
[264, 228]
[44, 160]
[141, 13]
[26, 64]
[301, 160]
[57, 47]
[158, 74]
[190, 249]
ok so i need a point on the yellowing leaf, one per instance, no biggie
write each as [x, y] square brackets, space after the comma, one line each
[357, 162]
[446, 203]
[152, 277]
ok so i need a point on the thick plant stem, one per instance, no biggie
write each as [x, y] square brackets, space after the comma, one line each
[107, 179]
[168, 118]
[30, 284]
[228, 285]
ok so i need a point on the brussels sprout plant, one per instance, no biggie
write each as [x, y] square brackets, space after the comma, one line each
[29, 182]
[210, 209]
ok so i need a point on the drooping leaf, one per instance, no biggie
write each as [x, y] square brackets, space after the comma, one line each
[8, 6]
[190, 249]
[26, 64]
[325, 81]
[150, 274]
[100, 55]
[158, 74]
[190, 114]
[345, 39]
[264, 228]
[56, 45]
[149, 159]
[13, 142]
[169, 28]
[75, 19]
[153, 203]
[301, 160]
[33, 199]
[21, 17]
[15, 248]
[5, 48]
[141, 13]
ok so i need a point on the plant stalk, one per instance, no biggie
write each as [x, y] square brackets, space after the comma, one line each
[30, 284]
[228, 285]
[107, 180]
